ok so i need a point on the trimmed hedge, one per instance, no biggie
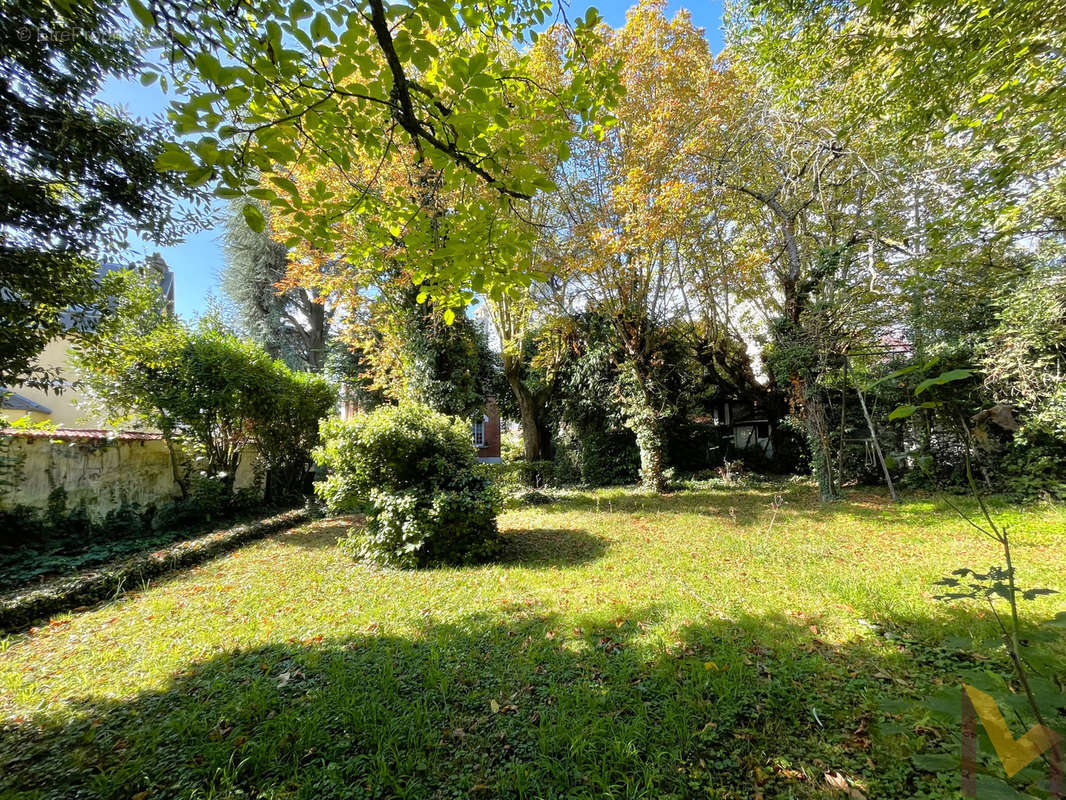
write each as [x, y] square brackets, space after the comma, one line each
[107, 582]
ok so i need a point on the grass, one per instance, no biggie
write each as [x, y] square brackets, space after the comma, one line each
[697, 645]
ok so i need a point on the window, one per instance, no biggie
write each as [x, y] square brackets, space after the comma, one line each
[762, 430]
[479, 432]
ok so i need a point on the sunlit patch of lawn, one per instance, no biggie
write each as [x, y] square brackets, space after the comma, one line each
[700, 644]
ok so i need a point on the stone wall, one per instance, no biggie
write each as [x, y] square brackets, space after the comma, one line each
[103, 469]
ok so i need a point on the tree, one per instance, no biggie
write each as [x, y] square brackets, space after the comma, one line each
[210, 394]
[812, 223]
[292, 323]
[987, 74]
[194, 386]
[412, 345]
[942, 162]
[529, 362]
[433, 89]
[1024, 354]
[76, 176]
[631, 210]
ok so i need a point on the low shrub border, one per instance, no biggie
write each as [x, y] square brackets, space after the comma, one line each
[108, 581]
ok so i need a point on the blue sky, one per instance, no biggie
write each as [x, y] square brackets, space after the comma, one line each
[197, 261]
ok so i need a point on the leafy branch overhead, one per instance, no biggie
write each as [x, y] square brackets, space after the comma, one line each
[442, 90]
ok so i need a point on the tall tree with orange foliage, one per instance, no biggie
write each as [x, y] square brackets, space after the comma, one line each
[634, 212]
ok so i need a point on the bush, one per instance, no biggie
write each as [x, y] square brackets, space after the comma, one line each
[211, 394]
[207, 499]
[285, 418]
[414, 473]
[520, 475]
[1034, 466]
[599, 457]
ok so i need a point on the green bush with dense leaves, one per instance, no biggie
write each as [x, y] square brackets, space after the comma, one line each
[414, 473]
[210, 393]
[520, 475]
[286, 411]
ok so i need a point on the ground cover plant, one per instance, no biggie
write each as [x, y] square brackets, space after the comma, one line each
[22, 607]
[39, 545]
[729, 642]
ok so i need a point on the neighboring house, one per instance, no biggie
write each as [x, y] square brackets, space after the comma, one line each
[14, 406]
[486, 432]
[60, 405]
[742, 427]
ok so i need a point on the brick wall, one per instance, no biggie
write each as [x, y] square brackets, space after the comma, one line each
[491, 450]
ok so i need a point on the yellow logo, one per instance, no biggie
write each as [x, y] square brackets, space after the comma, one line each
[1013, 753]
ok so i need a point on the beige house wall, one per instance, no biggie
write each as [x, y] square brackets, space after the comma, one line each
[101, 473]
[66, 412]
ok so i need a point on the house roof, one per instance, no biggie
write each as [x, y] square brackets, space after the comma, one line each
[83, 434]
[9, 399]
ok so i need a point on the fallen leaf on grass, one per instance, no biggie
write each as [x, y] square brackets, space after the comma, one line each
[838, 781]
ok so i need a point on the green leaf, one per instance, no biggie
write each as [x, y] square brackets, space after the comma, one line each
[942, 378]
[320, 27]
[238, 95]
[449, 316]
[902, 412]
[148, 78]
[254, 217]
[174, 159]
[284, 183]
[199, 176]
[141, 12]
[936, 762]
[892, 375]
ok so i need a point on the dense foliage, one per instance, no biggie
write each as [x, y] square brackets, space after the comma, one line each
[286, 409]
[211, 394]
[403, 117]
[414, 473]
[76, 176]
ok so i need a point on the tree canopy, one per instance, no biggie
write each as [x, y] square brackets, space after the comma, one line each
[76, 176]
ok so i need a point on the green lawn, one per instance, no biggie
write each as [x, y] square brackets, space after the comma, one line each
[627, 646]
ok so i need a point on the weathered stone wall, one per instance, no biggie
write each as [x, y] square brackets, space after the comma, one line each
[102, 472]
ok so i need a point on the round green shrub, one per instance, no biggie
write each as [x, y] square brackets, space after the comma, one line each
[413, 471]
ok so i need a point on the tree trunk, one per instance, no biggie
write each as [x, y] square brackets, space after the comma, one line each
[530, 429]
[650, 443]
[318, 336]
[528, 408]
[181, 476]
[547, 438]
[817, 424]
[646, 422]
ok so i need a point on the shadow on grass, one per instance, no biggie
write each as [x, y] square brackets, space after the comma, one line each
[513, 703]
[746, 503]
[544, 547]
[320, 534]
